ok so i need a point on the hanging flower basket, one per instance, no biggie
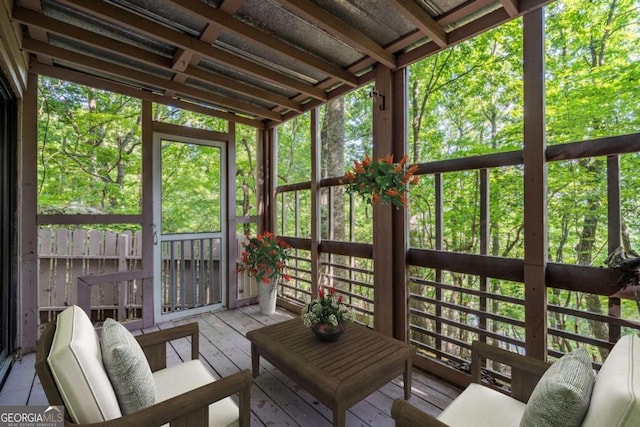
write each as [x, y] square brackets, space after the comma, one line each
[382, 180]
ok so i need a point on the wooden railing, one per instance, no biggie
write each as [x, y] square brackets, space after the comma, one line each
[298, 289]
[445, 318]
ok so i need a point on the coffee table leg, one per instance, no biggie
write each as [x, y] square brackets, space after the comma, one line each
[339, 417]
[255, 360]
[407, 379]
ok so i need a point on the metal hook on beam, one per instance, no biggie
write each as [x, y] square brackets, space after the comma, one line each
[377, 98]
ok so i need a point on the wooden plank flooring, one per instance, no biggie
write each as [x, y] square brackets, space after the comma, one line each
[275, 399]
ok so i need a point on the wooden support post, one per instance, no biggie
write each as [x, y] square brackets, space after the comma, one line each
[272, 177]
[315, 201]
[485, 231]
[148, 228]
[382, 213]
[614, 231]
[27, 220]
[124, 249]
[535, 187]
[261, 195]
[400, 282]
[232, 232]
[439, 208]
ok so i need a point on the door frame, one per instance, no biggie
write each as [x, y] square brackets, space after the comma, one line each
[212, 140]
[8, 236]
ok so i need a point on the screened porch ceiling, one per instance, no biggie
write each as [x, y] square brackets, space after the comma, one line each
[257, 62]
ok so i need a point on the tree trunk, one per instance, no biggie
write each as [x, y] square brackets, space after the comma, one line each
[585, 246]
[332, 165]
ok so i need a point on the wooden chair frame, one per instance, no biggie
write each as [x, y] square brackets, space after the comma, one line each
[525, 374]
[188, 409]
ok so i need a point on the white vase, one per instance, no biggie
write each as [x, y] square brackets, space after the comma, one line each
[267, 296]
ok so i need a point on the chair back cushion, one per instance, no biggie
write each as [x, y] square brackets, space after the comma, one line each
[127, 367]
[615, 400]
[75, 361]
[561, 397]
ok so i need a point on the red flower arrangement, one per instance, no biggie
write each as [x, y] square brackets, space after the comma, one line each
[265, 258]
[382, 180]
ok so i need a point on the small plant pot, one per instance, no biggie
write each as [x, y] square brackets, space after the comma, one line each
[327, 333]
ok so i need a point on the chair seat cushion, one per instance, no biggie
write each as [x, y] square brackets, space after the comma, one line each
[75, 361]
[561, 397]
[480, 406]
[127, 367]
[178, 379]
[615, 400]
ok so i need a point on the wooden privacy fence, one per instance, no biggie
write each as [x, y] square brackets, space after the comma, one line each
[64, 255]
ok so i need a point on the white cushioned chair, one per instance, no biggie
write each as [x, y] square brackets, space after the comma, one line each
[70, 367]
[614, 399]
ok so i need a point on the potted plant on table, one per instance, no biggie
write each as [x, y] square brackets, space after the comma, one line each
[265, 257]
[327, 315]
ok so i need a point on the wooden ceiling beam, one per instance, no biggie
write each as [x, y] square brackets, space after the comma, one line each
[463, 11]
[358, 66]
[511, 6]
[212, 32]
[13, 62]
[111, 86]
[157, 31]
[248, 32]
[339, 29]
[209, 35]
[182, 58]
[54, 26]
[484, 23]
[34, 32]
[422, 20]
[236, 86]
[146, 79]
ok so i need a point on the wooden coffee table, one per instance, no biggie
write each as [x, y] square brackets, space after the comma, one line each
[338, 374]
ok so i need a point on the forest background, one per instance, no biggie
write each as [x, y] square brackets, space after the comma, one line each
[465, 101]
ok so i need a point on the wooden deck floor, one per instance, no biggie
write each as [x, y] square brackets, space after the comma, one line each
[275, 399]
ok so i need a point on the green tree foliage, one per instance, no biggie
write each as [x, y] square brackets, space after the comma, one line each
[192, 180]
[464, 101]
[88, 150]
[294, 150]
[177, 116]
[592, 69]
[592, 64]
[467, 100]
[89, 159]
[246, 172]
